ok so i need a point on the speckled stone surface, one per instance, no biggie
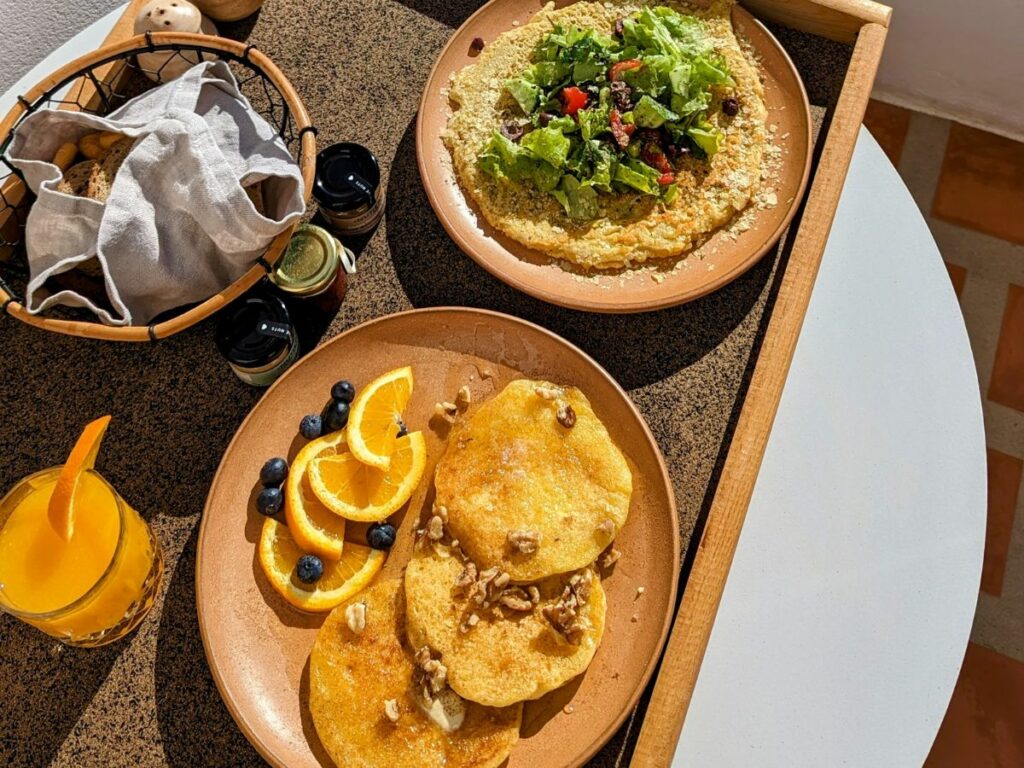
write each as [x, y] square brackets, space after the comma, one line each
[360, 68]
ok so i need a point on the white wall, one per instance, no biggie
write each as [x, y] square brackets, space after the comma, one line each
[962, 59]
[30, 29]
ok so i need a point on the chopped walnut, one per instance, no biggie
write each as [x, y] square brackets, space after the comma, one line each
[441, 511]
[446, 411]
[610, 558]
[466, 579]
[391, 710]
[464, 396]
[607, 527]
[470, 621]
[516, 599]
[565, 415]
[355, 617]
[548, 393]
[568, 709]
[524, 542]
[565, 615]
[430, 673]
[435, 528]
[534, 594]
[640, 591]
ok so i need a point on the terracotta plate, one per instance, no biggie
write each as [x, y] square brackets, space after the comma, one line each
[721, 259]
[258, 646]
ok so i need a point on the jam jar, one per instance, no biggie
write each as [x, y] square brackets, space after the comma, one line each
[347, 188]
[257, 338]
[312, 276]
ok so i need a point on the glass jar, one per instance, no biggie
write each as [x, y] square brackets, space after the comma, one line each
[257, 338]
[347, 188]
[311, 275]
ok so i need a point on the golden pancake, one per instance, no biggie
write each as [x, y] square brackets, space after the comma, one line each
[357, 678]
[515, 655]
[630, 228]
[512, 471]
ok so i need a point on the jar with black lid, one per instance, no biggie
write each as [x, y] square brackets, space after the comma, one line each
[257, 338]
[347, 188]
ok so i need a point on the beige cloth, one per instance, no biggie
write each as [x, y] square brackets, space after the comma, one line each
[178, 225]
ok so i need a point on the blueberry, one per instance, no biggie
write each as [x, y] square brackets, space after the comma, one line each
[309, 569]
[311, 426]
[343, 391]
[381, 535]
[335, 416]
[274, 472]
[270, 501]
[402, 429]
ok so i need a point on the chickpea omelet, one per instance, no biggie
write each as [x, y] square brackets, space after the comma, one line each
[377, 704]
[532, 483]
[611, 133]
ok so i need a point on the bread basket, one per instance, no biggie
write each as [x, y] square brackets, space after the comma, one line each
[100, 82]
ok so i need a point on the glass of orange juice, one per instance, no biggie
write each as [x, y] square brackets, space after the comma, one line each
[91, 588]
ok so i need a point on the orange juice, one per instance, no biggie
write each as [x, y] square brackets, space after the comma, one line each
[91, 589]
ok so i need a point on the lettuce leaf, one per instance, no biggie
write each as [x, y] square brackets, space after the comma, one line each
[525, 93]
[579, 201]
[639, 176]
[649, 113]
[548, 144]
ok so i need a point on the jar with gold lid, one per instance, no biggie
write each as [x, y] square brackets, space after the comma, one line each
[312, 275]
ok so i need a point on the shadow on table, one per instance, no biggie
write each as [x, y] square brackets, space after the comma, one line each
[637, 349]
[195, 726]
[451, 13]
[44, 689]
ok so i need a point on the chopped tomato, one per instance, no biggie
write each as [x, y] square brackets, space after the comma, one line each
[617, 69]
[666, 178]
[573, 100]
[620, 131]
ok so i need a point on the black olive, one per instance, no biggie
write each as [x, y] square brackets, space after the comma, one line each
[544, 118]
[620, 28]
[477, 44]
[730, 106]
[512, 131]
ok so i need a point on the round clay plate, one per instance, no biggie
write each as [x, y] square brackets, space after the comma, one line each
[723, 257]
[258, 646]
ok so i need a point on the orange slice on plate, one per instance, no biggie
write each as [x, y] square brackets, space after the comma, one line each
[61, 511]
[279, 554]
[314, 527]
[350, 488]
[373, 421]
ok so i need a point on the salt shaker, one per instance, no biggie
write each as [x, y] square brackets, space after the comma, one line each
[170, 16]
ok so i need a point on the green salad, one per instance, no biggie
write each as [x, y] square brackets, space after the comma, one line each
[612, 113]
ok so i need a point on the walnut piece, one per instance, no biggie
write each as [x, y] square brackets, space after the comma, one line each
[355, 617]
[548, 393]
[607, 527]
[464, 396]
[446, 411]
[430, 673]
[524, 542]
[435, 528]
[565, 415]
[516, 599]
[391, 710]
[565, 616]
[468, 623]
[610, 558]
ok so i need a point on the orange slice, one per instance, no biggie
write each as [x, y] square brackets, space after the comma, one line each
[375, 415]
[279, 554]
[61, 511]
[314, 527]
[356, 491]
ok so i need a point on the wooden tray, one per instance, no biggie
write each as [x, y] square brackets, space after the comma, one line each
[707, 377]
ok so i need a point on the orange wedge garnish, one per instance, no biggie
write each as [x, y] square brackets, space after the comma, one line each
[373, 422]
[61, 511]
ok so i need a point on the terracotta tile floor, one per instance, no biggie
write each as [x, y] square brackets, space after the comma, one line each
[970, 186]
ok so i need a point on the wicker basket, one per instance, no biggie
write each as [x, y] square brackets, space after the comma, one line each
[100, 82]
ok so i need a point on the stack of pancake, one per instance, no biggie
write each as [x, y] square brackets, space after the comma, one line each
[502, 599]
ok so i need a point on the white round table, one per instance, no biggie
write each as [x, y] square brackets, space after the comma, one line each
[850, 600]
[849, 604]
